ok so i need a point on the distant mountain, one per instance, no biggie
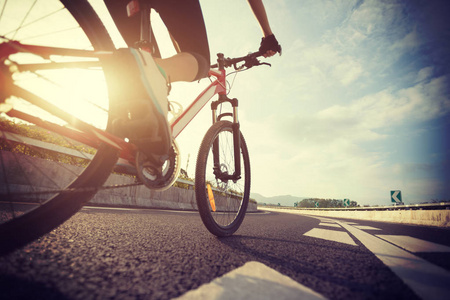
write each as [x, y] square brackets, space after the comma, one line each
[284, 200]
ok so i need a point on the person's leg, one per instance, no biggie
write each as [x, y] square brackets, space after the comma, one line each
[180, 67]
[184, 21]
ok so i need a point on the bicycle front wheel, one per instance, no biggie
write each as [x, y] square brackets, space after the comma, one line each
[48, 169]
[222, 204]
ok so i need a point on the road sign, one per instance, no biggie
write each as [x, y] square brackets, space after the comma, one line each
[316, 204]
[396, 196]
[346, 202]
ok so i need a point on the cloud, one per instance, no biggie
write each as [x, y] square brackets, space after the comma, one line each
[359, 119]
[347, 71]
[351, 82]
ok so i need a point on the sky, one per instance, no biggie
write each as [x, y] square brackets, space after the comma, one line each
[357, 105]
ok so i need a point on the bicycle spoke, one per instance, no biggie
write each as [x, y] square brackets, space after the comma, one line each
[54, 112]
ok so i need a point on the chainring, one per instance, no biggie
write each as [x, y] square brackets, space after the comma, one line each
[162, 178]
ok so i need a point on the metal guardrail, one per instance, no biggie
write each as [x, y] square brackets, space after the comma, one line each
[424, 206]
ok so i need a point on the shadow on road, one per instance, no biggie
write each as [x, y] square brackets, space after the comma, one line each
[12, 287]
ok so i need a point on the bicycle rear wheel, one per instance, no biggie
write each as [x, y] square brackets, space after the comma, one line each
[222, 204]
[48, 170]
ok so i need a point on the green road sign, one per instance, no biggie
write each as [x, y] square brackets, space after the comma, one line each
[346, 202]
[316, 204]
[396, 196]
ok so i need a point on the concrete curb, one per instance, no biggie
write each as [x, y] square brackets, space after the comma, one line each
[140, 196]
[438, 218]
[133, 196]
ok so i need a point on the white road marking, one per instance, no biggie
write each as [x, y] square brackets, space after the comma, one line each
[138, 209]
[331, 235]
[413, 244]
[324, 219]
[329, 224]
[428, 281]
[252, 281]
[362, 227]
[108, 208]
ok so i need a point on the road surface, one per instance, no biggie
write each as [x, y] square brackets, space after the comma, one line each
[105, 253]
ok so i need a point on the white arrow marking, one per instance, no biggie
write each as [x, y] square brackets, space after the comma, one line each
[394, 196]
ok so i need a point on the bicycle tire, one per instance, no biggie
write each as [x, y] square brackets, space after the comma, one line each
[230, 198]
[47, 214]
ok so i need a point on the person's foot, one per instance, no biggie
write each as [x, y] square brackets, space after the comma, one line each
[142, 95]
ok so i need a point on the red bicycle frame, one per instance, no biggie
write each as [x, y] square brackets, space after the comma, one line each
[84, 132]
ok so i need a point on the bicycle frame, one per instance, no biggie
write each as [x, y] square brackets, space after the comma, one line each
[93, 136]
[217, 87]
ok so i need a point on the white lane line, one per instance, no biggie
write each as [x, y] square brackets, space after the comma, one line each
[428, 281]
[414, 244]
[329, 224]
[138, 209]
[252, 281]
[324, 219]
[331, 235]
[362, 227]
[108, 208]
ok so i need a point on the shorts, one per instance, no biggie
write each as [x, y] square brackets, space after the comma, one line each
[183, 19]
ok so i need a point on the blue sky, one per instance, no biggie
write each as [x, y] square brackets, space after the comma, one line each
[357, 105]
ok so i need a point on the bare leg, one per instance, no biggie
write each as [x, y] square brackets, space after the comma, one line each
[180, 67]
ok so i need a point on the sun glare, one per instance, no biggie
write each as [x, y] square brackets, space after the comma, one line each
[80, 92]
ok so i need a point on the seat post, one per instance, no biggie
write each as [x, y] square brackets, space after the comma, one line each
[146, 35]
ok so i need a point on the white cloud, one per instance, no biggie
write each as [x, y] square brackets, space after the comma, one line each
[321, 121]
[408, 43]
[424, 74]
[422, 102]
[347, 71]
[322, 154]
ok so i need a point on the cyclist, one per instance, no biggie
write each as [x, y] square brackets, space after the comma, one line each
[184, 21]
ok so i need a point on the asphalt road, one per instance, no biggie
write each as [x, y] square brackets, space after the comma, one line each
[154, 254]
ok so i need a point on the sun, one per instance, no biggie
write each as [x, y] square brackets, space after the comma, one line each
[82, 92]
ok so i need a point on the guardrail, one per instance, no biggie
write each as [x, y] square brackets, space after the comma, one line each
[428, 214]
[424, 206]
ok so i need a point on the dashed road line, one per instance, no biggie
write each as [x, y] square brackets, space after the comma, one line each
[362, 227]
[329, 225]
[252, 281]
[331, 235]
[427, 280]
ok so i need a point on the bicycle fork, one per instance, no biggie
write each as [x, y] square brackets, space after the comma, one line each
[224, 175]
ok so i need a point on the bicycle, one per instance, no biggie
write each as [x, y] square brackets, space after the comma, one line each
[54, 161]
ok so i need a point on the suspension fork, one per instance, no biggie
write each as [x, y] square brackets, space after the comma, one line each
[224, 176]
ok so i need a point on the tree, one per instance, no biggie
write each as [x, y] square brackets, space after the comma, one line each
[324, 203]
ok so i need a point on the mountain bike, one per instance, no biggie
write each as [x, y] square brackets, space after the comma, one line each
[59, 144]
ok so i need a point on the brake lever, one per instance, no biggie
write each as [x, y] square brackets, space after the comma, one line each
[249, 63]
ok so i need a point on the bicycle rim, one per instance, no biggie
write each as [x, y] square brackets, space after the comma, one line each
[48, 169]
[222, 204]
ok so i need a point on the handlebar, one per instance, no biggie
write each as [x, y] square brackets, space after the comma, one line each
[250, 60]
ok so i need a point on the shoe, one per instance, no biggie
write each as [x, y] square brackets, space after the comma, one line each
[139, 89]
